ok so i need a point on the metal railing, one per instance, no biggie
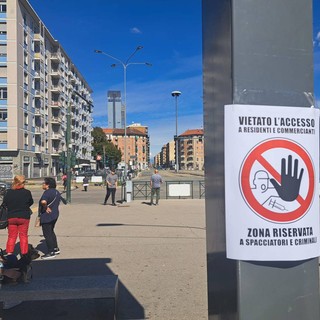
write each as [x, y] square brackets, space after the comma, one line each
[202, 189]
[142, 190]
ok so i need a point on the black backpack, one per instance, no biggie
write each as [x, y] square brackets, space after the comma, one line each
[3, 216]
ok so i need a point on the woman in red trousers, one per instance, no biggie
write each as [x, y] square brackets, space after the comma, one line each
[18, 201]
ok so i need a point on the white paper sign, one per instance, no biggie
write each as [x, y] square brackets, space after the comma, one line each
[179, 190]
[272, 181]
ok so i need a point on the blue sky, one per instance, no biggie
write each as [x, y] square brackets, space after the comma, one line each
[169, 31]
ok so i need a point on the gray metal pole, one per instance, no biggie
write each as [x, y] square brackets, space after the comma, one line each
[177, 144]
[251, 56]
[68, 141]
[176, 94]
[125, 122]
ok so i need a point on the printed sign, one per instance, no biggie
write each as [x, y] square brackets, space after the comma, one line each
[271, 179]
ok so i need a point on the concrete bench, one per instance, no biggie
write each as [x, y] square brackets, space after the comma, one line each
[63, 288]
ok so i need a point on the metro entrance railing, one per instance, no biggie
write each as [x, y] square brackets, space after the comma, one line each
[170, 190]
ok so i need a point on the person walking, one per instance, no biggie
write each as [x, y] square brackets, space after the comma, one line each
[85, 183]
[111, 180]
[64, 181]
[155, 183]
[18, 200]
[49, 213]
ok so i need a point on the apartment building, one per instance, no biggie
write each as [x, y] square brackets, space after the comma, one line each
[38, 82]
[170, 154]
[137, 144]
[191, 150]
[156, 160]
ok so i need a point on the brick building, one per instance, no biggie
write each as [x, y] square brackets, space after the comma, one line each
[137, 141]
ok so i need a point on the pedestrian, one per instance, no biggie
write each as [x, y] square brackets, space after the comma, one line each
[155, 183]
[18, 200]
[49, 213]
[64, 181]
[111, 180]
[85, 183]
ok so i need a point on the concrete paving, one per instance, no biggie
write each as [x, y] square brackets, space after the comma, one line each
[158, 252]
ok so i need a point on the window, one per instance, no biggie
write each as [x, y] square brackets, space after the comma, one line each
[26, 139]
[3, 115]
[26, 119]
[3, 8]
[26, 58]
[3, 94]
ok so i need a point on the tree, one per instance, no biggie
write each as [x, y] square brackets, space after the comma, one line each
[101, 146]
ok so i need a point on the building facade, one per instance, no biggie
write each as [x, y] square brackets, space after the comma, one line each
[166, 157]
[37, 85]
[116, 111]
[191, 150]
[137, 144]
[156, 160]
[170, 154]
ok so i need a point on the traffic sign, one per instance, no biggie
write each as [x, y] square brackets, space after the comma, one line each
[275, 208]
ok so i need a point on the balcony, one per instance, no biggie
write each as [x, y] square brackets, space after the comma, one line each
[37, 55]
[56, 88]
[56, 136]
[55, 73]
[37, 149]
[55, 56]
[55, 151]
[37, 130]
[38, 112]
[56, 104]
[38, 37]
[37, 93]
[56, 120]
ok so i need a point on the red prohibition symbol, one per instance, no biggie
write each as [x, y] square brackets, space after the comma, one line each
[257, 155]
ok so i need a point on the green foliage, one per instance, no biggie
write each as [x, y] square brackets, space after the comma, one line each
[101, 146]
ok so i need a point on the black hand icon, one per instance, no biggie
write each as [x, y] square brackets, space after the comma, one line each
[290, 183]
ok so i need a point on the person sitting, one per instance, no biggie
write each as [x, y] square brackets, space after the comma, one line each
[16, 270]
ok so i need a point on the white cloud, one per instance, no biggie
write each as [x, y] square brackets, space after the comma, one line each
[135, 30]
[318, 36]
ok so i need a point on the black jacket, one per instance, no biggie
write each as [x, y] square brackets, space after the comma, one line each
[18, 202]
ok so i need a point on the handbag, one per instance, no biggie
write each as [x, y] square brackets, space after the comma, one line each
[37, 222]
[3, 216]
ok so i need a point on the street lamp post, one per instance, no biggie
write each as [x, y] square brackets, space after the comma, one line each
[176, 94]
[125, 66]
[68, 142]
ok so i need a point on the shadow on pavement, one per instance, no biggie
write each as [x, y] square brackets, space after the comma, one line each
[145, 225]
[128, 306]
